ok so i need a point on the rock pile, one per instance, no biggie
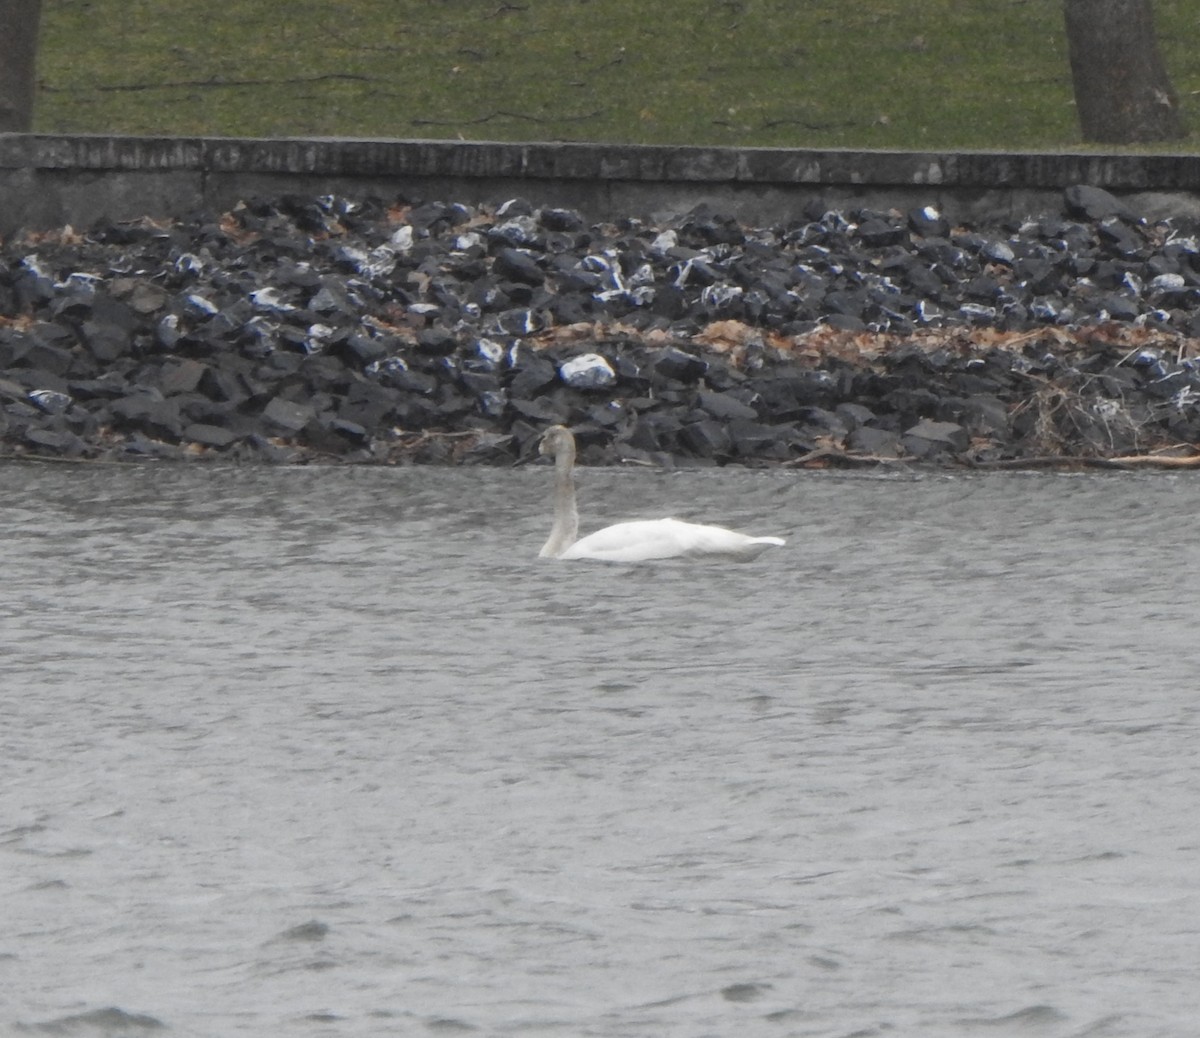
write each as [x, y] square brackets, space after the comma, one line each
[304, 328]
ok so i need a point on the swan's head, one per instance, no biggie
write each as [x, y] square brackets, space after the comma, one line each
[557, 440]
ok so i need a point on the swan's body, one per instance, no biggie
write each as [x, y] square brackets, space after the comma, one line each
[639, 541]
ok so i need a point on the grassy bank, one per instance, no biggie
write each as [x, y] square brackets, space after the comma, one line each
[819, 73]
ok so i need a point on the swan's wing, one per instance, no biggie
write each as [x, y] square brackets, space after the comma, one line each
[699, 541]
[638, 541]
[648, 539]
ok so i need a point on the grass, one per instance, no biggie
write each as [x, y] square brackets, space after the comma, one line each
[938, 74]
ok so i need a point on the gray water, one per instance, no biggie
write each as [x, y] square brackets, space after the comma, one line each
[330, 752]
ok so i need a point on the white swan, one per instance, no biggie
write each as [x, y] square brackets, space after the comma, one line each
[639, 541]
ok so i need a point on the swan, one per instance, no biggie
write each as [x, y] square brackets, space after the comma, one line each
[639, 541]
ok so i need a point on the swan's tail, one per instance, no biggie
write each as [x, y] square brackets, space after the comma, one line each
[753, 547]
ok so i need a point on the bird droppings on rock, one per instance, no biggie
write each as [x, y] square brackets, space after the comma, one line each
[302, 329]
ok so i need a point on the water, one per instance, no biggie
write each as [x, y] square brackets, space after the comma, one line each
[330, 752]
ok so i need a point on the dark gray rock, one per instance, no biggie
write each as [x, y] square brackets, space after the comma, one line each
[49, 357]
[368, 405]
[874, 442]
[287, 416]
[928, 438]
[675, 364]
[561, 220]
[820, 422]
[654, 433]
[209, 435]
[531, 373]
[707, 438]
[542, 411]
[519, 266]
[854, 414]
[877, 233]
[725, 406]
[928, 222]
[182, 376]
[754, 440]
[329, 325]
[55, 442]
[146, 412]
[1094, 203]
[1119, 238]
[10, 391]
[437, 342]
[106, 342]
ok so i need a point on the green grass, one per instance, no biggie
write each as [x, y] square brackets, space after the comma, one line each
[804, 73]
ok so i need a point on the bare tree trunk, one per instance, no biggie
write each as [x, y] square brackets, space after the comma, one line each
[1122, 92]
[19, 20]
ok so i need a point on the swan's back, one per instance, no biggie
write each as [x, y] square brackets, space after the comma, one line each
[648, 539]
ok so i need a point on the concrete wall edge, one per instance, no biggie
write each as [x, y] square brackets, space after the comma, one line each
[48, 179]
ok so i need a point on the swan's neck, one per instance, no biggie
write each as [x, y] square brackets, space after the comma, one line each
[566, 515]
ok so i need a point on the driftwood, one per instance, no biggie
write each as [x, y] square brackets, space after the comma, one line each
[1066, 461]
[826, 455]
[823, 456]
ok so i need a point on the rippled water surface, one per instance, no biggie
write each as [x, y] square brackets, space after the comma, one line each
[331, 752]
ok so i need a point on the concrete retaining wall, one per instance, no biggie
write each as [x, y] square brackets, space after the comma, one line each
[47, 181]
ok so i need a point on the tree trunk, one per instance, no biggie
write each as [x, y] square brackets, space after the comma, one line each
[19, 21]
[1122, 92]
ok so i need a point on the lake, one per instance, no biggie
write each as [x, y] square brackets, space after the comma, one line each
[329, 751]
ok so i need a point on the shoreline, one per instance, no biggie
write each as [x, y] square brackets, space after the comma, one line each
[323, 328]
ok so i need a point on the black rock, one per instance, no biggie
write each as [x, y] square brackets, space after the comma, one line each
[675, 364]
[519, 266]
